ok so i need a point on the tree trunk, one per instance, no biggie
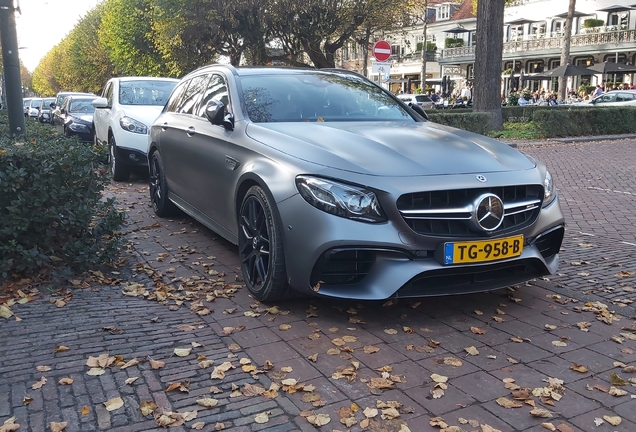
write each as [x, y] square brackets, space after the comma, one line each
[424, 50]
[488, 51]
[565, 46]
[365, 47]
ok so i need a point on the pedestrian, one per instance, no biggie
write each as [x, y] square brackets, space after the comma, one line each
[598, 91]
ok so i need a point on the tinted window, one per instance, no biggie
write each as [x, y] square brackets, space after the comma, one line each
[108, 93]
[216, 90]
[422, 98]
[317, 96]
[176, 95]
[36, 103]
[624, 97]
[81, 106]
[192, 94]
[145, 92]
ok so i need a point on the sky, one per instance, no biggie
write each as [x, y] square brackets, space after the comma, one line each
[44, 23]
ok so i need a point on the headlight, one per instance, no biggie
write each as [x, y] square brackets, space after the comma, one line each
[132, 125]
[79, 128]
[549, 190]
[340, 199]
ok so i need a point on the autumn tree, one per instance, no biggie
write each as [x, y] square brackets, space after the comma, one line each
[125, 34]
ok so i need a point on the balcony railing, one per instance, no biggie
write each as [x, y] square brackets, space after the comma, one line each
[552, 41]
[431, 56]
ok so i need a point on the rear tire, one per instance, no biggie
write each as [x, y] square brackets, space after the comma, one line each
[118, 171]
[161, 205]
[261, 247]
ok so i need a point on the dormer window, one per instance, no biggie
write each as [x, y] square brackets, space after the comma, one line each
[443, 12]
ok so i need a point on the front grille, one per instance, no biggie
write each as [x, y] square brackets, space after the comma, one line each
[471, 279]
[449, 212]
[342, 267]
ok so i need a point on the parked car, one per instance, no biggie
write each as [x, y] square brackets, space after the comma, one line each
[122, 117]
[34, 108]
[26, 103]
[422, 100]
[76, 117]
[44, 115]
[331, 186]
[59, 98]
[613, 98]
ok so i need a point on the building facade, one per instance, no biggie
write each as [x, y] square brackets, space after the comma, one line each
[602, 30]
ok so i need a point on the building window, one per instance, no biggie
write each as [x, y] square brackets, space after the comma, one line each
[396, 50]
[557, 27]
[443, 12]
[537, 30]
[516, 33]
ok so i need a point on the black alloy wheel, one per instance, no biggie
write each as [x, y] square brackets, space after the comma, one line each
[261, 247]
[161, 205]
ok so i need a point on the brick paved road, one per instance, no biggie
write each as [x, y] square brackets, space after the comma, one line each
[179, 259]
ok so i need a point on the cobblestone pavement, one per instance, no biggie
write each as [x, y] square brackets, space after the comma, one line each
[339, 357]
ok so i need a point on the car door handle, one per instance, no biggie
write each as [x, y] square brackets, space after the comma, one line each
[190, 131]
[164, 127]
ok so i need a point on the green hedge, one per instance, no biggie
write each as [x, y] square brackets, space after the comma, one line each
[53, 216]
[582, 121]
[550, 122]
[467, 120]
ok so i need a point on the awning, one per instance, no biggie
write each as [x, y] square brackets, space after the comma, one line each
[457, 30]
[577, 14]
[616, 8]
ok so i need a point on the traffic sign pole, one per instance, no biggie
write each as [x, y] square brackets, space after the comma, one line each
[382, 53]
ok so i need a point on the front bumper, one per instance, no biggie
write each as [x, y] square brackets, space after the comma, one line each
[341, 258]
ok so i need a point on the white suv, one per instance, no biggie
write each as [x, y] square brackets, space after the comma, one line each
[123, 115]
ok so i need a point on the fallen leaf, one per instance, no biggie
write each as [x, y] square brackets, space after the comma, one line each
[616, 380]
[43, 368]
[541, 412]
[60, 348]
[548, 426]
[96, 371]
[114, 403]
[130, 363]
[439, 378]
[319, 419]
[613, 420]
[157, 364]
[85, 410]
[615, 391]
[9, 425]
[477, 330]
[390, 331]
[559, 343]
[208, 402]
[65, 381]
[197, 425]
[579, 368]
[453, 361]
[472, 350]
[147, 407]
[39, 384]
[282, 327]
[507, 403]
[182, 352]
[550, 327]
[26, 400]
[131, 380]
[57, 426]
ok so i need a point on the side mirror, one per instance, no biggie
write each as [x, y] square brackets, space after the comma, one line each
[418, 109]
[101, 102]
[216, 113]
[52, 105]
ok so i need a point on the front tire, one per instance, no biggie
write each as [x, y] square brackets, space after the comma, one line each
[118, 171]
[161, 205]
[261, 247]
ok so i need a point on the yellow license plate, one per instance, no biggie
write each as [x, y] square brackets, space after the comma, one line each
[483, 251]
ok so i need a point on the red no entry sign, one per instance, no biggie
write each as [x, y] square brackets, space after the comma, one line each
[382, 50]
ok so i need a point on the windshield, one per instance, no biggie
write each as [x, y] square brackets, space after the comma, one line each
[316, 96]
[36, 103]
[150, 92]
[81, 106]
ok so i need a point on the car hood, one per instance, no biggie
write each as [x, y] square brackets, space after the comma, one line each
[390, 148]
[143, 113]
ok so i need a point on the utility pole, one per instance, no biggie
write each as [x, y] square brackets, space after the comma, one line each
[11, 63]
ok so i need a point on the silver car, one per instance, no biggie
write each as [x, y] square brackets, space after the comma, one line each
[332, 186]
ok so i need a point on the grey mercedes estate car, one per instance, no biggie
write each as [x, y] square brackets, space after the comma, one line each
[330, 185]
